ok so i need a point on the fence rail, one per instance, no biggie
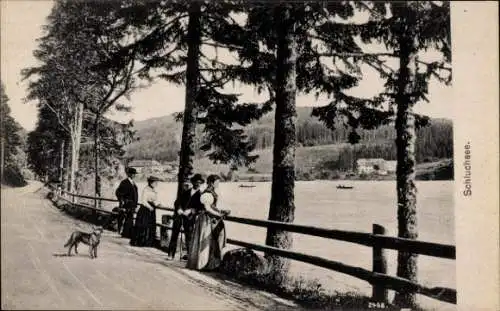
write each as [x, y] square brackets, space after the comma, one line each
[388, 282]
[380, 281]
[88, 197]
[366, 239]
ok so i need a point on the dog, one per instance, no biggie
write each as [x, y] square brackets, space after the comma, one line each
[91, 239]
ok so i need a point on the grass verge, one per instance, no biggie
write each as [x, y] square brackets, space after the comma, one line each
[311, 295]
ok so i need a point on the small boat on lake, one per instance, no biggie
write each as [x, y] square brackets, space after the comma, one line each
[246, 186]
[344, 187]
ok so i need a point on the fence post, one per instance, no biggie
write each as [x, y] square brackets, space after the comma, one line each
[379, 293]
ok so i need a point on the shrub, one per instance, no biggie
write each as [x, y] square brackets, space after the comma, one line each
[12, 177]
[308, 293]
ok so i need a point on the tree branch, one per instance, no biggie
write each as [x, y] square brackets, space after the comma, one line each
[61, 123]
[223, 46]
[126, 87]
[371, 10]
[435, 65]
[359, 55]
[381, 67]
[219, 82]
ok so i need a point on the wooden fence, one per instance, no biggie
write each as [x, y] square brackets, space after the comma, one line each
[377, 240]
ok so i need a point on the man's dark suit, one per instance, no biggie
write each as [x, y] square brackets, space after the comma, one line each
[185, 202]
[128, 196]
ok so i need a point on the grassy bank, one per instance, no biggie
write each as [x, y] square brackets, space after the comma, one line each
[311, 294]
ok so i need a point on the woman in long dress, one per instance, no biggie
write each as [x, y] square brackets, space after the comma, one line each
[145, 222]
[209, 234]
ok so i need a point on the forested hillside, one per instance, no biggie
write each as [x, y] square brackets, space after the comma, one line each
[159, 138]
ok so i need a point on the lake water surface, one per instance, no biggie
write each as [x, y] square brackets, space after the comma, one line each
[320, 203]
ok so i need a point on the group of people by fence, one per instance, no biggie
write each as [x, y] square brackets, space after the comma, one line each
[196, 213]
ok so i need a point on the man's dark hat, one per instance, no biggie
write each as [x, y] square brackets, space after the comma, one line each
[154, 178]
[130, 170]
[197, 177]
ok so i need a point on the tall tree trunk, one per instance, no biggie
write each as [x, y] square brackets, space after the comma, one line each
[97, 181]
[405, 144]
[61, 165]
[282, 206]
[76, 136]
[67, 163]
[192, 90]
[72, 174]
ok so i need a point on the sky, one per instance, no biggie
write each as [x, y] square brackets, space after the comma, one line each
[21, 23]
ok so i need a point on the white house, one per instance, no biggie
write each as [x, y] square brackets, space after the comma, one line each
[368, 166]
[378, 166]
[390, 166]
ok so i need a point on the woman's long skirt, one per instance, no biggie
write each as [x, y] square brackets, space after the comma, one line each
[145, 228]
[207, 242]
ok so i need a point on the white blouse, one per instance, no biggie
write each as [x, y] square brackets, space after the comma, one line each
[207, 199]
[149, 194]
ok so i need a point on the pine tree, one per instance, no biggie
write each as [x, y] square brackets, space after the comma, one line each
[282, 205]
[192, 94]
[411, 27]
[176, 37]
[290, 49]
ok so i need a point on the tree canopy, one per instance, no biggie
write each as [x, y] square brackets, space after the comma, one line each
[9, 129]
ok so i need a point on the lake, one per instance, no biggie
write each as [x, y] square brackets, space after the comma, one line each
[320, 203]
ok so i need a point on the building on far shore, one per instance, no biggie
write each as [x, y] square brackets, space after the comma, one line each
[146, 166]
[390, 166]
[378, 166]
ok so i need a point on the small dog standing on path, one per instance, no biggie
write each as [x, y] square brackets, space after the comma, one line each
[91, 239]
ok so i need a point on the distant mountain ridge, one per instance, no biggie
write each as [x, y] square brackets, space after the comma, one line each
[159, 138]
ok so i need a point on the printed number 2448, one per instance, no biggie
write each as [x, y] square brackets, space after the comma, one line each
[376, 305]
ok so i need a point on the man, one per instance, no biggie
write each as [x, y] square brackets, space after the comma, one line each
[127, 195]
[186, 207]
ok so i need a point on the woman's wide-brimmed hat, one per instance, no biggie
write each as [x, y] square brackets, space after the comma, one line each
[154, 178]
[197, 177]
[130, 170]
[213, 178]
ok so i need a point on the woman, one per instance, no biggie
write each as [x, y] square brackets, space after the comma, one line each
[209, 235]
[145, 222]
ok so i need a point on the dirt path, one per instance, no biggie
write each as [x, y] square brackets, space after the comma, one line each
[37, 275]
